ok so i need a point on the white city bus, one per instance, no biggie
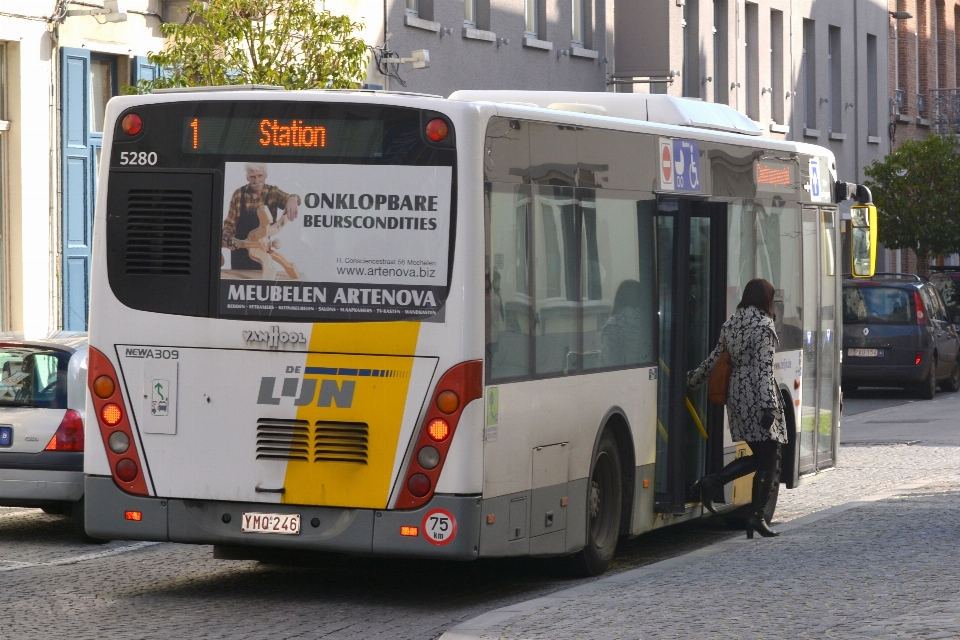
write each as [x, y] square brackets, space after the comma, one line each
[403, 325]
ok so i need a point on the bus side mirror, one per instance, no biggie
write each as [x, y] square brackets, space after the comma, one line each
[863, 238]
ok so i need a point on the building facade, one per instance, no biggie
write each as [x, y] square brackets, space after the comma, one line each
[808, 70]
[57, 72]
[924, 76]
[495, 44]
[805, 70]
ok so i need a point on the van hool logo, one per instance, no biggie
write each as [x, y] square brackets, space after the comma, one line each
[274, 337]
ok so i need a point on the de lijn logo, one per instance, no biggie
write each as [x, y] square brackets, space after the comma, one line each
[274, 338]
[332, 393]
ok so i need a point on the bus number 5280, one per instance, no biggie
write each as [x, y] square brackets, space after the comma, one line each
[138, 157]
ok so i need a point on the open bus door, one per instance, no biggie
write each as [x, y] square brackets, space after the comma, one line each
[692, 259]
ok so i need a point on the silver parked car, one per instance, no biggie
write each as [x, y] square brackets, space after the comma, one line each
[42, 397]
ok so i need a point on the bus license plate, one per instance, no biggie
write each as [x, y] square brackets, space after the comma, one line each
[866, 353]
[282, 523]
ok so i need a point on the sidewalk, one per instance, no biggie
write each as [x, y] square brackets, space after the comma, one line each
[887, 566]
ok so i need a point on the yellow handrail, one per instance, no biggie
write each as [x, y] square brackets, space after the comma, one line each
[696, 418]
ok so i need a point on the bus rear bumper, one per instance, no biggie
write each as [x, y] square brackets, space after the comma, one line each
[356, 531]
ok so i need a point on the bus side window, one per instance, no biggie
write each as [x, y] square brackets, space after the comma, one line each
[556, 239]
[619, 298]
[507, 281]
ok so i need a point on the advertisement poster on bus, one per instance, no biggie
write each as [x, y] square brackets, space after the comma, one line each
[334, 241]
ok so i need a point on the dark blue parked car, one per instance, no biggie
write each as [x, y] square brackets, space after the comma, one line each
[897, 333]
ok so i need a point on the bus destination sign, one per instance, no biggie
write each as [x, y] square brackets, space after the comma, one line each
[287, 136]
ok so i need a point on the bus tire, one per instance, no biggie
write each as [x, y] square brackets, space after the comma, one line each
[604, 504]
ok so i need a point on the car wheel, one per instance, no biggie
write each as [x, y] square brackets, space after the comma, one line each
[952, 383]
[928, 388]
[78, 523]
[604, 501]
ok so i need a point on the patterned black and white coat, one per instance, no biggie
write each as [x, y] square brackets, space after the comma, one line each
[749, 335]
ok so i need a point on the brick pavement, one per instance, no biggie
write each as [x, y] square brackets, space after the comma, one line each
[122, 590]
[883, 569]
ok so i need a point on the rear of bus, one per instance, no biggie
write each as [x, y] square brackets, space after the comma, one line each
[282, 352]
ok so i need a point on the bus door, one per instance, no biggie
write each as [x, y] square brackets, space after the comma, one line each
[820, 404]
[691, 254]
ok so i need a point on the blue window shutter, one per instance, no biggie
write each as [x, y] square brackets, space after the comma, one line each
[143, 69]
[77, 184]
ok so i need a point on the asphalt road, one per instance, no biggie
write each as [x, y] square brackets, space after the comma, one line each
[869, 417]
[53, 585]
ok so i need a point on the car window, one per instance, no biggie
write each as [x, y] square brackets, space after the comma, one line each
[941, 311]
[931, 303]
[948, 288]
[33, 377]
[877, 305]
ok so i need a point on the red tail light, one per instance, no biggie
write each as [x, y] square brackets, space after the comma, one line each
[919, 358]
[69, 435]
[921, 312]
[465, 381]
[112, 417]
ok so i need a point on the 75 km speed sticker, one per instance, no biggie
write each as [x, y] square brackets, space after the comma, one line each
[439, 527]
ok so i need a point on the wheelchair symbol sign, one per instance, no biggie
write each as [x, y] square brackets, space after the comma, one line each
[814, 177]
[686, 165]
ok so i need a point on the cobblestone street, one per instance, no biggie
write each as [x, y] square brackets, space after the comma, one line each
[876, 569]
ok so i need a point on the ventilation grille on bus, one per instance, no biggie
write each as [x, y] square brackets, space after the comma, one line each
[340, 442]
[159, 232]
[283, 440]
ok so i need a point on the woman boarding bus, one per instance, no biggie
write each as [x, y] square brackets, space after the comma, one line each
[461, 341]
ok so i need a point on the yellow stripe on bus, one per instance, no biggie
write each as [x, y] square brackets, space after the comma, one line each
[377, 402]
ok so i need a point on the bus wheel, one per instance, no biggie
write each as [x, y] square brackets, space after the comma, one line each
[604, 502]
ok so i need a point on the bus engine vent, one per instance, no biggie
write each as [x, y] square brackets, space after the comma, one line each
[283, 440]
[159, 232]
[340, 442]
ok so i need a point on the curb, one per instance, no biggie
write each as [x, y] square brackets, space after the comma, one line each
[495, 620]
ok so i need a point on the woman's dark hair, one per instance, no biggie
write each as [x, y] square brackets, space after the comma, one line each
[758, 293]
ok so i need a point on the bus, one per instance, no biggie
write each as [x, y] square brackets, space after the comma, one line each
[403, 325]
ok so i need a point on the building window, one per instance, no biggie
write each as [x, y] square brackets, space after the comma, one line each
[4, 124]
[919, 50]
[720, 86]
[776, 66]
[873, 98]
[412, 7]
[578, 29]
[901, 57]
[956, 56]
[752, 59]
[103, 86]
[470, 13]
[939, 32]
[530, 17]
[836, 87]
[691, 49]
[808, 71]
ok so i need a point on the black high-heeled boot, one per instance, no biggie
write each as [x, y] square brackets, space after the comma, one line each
[709, 485]
[762, 484]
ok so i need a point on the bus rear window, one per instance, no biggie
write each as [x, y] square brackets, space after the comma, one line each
[32, 377]
[286, 211]
[877, 305]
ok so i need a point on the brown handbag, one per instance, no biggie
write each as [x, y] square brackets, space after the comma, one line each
[720, 377]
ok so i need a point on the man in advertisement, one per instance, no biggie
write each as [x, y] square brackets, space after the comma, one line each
[243, 217]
